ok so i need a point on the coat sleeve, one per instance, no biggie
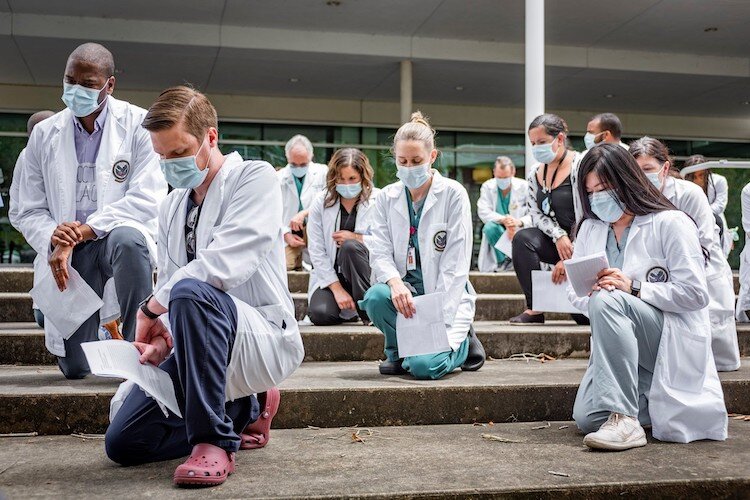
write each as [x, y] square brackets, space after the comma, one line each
[456, 259]
[486, 206]
[316, 244]
[15, 182]
[30, 209]
[546, 224]
[381, 252]
[524, 210]
[146, 189]
[249, 228]
[721, 188]
[697, 207]
[580, 249]
[162, 240]
[745, 201]
[368, 215]
[686, 288]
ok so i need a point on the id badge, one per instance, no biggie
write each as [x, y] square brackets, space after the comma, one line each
[411, 259]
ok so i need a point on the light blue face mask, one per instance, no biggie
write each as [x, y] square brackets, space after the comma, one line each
[503, 184]
[590, 139]
[543, 153]
[299, 172]
[414, 177]
[606, 205]
[349, 191]
[183, 172]
[655, 179]
[80, 100]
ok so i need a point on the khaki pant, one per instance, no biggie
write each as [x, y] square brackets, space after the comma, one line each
[294, 255]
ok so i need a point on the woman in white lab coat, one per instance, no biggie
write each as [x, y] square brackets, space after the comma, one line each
[421, 244]
[716, 189]
[653, 157]
[338, 234]
[743, 300]
[651, 360]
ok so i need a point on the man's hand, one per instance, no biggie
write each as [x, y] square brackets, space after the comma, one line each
[298, 221]
[558, 273]
[611, 279]
[341, 236]
[67, 234]
[510, 222]
[154, 352]
[58, 261]
[293, 240]
[147, 329]
[342, 297]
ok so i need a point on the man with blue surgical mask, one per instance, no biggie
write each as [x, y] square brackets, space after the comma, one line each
[604, 127]
[89, 199]
[502, 207]
[301, 180]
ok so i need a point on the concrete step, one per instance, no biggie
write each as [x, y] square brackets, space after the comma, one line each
[19, 278]
[39, 399]
[16, 307]
[23, 343]
[450, 461]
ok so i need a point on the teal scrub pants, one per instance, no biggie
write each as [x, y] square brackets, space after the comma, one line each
[381, 311]
[625, 336]
[493, 231]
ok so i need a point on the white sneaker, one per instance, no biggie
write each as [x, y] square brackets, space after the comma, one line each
[618, 433]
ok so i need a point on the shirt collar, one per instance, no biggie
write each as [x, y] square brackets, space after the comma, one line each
[98, 124]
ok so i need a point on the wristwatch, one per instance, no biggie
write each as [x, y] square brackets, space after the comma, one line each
[635, 288]
[145, 310]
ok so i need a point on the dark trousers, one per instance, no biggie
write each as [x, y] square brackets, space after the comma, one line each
[204, 325]
[353, 269]
[531, 247]
[122, 254]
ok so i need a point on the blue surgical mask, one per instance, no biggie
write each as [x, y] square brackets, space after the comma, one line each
[655, 179]
[349, 191]
[590, 140]
[299, 172]
[503, 184]
[543, 153]
[606, 205]
[80, 100]
[183, 172]
[414, 177]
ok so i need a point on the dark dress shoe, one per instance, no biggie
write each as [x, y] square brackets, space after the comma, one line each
[524, 318]
[392, 368]
[476, 357]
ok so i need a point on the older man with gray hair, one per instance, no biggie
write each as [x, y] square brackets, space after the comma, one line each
[301, 179]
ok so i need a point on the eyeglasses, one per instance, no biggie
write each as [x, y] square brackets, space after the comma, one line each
[192, 222]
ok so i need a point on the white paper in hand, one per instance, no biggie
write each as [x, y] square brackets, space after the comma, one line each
[549, 297]
[505, 245]
[69, 309]
[118, 358]
[582, 271]
[425, 332]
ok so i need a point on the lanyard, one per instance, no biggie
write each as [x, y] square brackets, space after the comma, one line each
[414, 218]
[546, 188]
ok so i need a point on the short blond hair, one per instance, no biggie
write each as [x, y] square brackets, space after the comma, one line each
[182, 104]
[416, 129]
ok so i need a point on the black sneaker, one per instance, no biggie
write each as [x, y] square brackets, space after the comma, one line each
[392, 368]
[476, 357]
[523, 319]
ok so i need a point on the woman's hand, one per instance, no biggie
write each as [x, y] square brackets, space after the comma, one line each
[298, 221]
[402, 298]
[564, 247]
[611, 279]
[341, 236]
[558, 273]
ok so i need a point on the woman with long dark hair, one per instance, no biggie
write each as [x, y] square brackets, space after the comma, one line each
[651, 361]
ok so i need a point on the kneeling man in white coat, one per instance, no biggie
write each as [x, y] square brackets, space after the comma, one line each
[222, 280]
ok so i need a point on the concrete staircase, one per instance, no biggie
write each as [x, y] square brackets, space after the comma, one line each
[345, 430]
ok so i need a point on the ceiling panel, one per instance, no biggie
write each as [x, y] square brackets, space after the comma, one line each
[139, 66]
[12, 67]
[203, 11]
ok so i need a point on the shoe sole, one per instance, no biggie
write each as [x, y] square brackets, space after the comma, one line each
[609, 446]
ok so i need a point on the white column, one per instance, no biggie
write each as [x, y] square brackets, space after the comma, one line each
[406, 86]
[534, 63]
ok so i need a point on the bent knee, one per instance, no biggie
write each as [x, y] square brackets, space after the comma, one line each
[351, 247]
[188, 288]
[425, 368]
[127, 237]
[602, 301]
[320, 316]
[119, 447]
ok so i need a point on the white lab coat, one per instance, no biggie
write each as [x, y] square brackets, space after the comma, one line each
[486, 209]
[315, 182]
[321, 224]
[743, 300]
[689, 198]
[685, 401]
[239, 250]
[46, 191]
[446, 210]
[718, 197]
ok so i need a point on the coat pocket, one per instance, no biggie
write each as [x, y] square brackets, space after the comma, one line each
[685, 359]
